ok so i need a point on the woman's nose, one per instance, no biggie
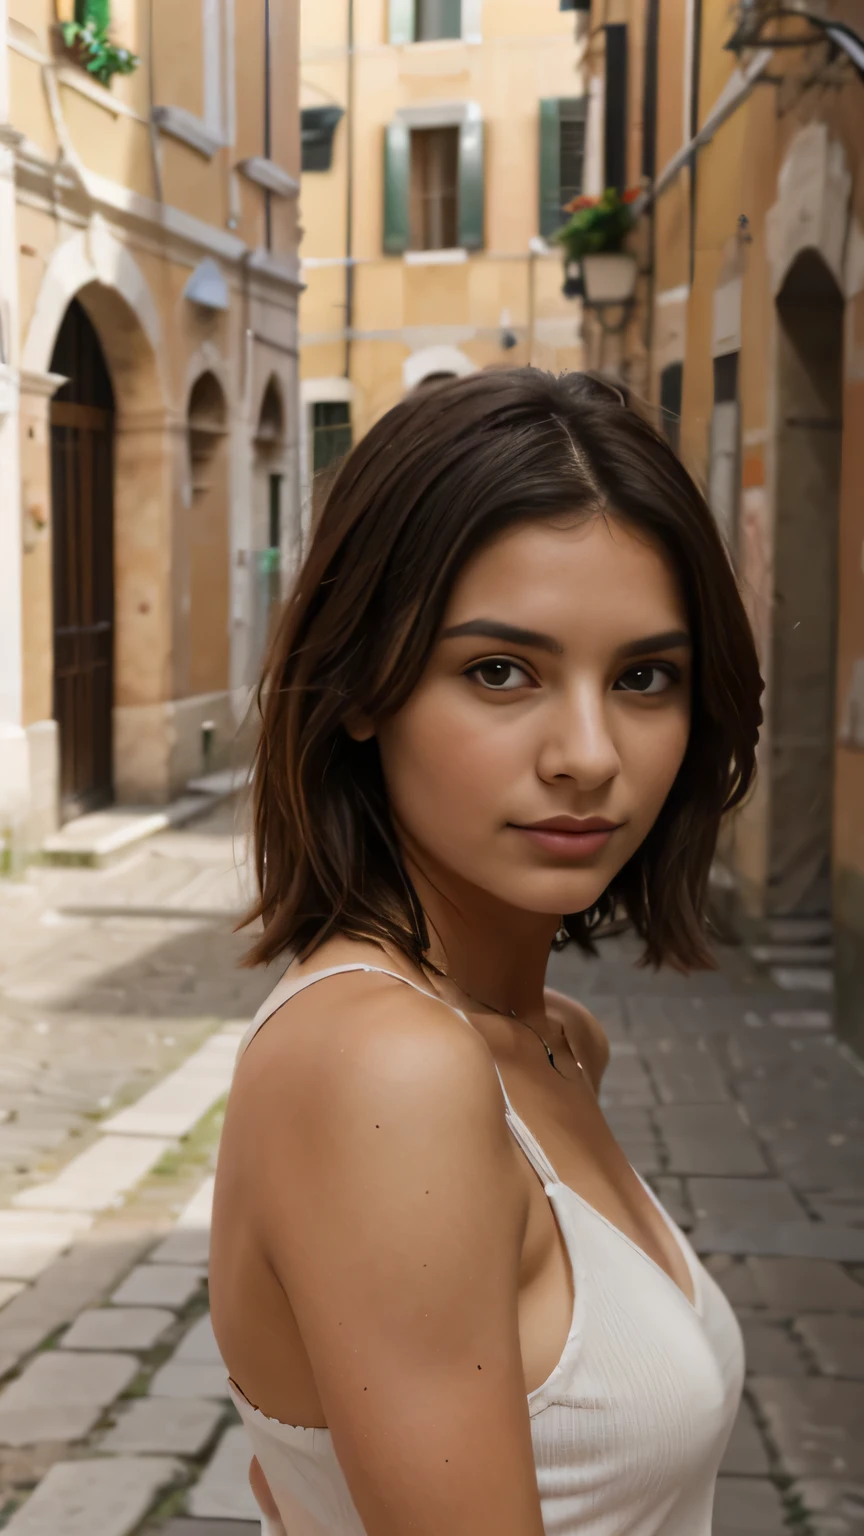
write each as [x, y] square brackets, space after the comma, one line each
[579, 744]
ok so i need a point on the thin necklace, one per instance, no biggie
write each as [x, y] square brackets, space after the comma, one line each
[510, 1014]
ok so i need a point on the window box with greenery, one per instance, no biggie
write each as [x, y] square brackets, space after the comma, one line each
[593, 240]
[88, 41]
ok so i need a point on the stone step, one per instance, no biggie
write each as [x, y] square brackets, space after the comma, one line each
[793, 954]
[99, 838]
[800, 930]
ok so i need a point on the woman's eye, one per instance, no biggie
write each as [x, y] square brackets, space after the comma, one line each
[649, 679]
[499, 675]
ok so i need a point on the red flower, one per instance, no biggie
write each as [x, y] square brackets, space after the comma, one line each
[631, 194]
[576, 204]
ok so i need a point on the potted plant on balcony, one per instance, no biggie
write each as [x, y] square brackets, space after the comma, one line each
[90, 45]
[593, 239]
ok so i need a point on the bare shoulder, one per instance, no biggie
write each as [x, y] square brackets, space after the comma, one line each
[361, 1053]
[584, 1032]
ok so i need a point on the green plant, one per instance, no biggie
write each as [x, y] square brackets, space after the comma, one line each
[88, 38]
[597, 224]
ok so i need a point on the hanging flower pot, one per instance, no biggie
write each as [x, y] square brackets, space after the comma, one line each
[609, 277]
[593, 240]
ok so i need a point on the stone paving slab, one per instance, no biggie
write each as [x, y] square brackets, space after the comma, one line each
[770, 1349]
[190, 1378]
[104, 1497]
[815, 1425]
[8, 1289]
[180, 1427]
[684, 1073]
[211, 1528]
[837, 1344]
[175, 1105]
[794, 1240]
[199, 1346]
[223, 1492]
[745, 1454]
[748, 1506]
[96, 1179]
[728, 1202]
[60, 1396]
[190, 1247]
[709, 1139]
[79, 1280]
[137, 1328]
[159, 1285]
[835, 1508]
[31, 1240]
[787, 1287]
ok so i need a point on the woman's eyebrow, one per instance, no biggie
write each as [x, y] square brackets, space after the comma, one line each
[667, 640]
[496, 629]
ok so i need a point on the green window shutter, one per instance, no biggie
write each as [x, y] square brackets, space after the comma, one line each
[550, 215]
[397, 170]
[402, 21]
[96, 11]
[471, 189]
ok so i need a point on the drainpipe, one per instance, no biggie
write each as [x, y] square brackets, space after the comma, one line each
[349, 194]
[268, 135]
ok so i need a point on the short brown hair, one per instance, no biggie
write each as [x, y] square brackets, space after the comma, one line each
[444, 472]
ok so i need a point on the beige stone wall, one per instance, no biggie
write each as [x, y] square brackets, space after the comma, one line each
[132, 215]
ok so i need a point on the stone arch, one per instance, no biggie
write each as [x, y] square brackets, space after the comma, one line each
[440, 360]
[206, 539]
[271, 412]
[96, 269]
[812, 208]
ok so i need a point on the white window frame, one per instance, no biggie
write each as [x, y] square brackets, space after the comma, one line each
[216, 127]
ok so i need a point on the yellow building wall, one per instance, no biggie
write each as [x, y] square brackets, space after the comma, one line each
[526, 53]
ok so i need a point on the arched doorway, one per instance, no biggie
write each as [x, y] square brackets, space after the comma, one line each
[207, 538]
[269, 529]
[82, 498]
[809, 383]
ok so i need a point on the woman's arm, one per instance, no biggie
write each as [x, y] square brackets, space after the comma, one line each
[393, 1211]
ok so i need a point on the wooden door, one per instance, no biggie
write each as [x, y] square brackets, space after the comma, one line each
[82, 492]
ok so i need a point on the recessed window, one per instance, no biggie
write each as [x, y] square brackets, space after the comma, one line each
[437, 18]
[317, 127]
[434, 189]
[331, 432]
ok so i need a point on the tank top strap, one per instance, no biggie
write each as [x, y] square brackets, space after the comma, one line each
[289, 986]
[528, 1141]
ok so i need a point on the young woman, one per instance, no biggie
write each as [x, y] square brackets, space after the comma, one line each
[514, 689]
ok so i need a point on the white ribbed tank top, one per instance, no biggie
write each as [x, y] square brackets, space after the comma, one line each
[630, 1427]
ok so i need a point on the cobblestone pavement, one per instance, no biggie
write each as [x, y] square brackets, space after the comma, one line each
[732, 1096]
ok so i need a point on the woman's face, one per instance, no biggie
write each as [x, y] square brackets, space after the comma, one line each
[558, 689]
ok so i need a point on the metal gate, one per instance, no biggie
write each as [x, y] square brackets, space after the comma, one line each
[82, 474]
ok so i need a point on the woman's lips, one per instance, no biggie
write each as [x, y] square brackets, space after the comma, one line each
[568, 845]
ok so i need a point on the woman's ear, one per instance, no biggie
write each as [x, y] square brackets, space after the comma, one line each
[359, 726]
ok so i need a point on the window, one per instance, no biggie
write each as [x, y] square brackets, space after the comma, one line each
[562, 157]
[671, 396]
[433, 180]
[331, 432]
[574, 5]
[434, 188]
[437, 18]
[423, 21]
[317, 127]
